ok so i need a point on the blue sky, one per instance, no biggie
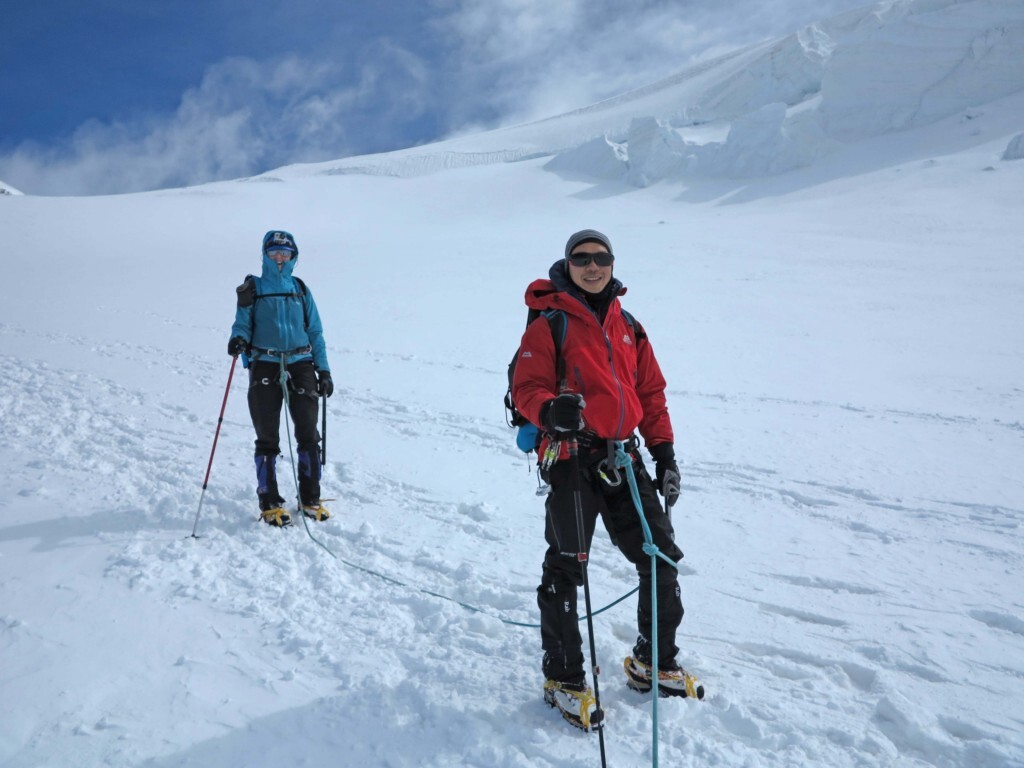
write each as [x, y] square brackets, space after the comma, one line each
[123, 95]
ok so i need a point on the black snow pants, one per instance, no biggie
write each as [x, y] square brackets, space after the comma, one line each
[265, 400]
[563, 574]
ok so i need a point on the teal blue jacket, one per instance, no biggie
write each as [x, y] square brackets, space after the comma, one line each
[279, 315]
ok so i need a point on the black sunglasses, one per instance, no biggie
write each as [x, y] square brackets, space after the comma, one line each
[602, 259]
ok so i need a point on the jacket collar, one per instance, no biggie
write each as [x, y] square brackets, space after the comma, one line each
[272, 276]
[558, 292]
[559, 277]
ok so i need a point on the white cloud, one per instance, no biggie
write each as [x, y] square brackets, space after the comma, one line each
[492, 62]
[244, 117]
[534, 58]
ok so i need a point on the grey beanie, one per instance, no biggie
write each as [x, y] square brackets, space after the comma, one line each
[587, 235]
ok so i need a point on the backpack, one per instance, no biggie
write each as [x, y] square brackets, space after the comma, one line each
[528, 436]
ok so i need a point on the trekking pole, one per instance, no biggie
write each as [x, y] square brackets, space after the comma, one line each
[323, 433]
[220, 420]
[597, 721]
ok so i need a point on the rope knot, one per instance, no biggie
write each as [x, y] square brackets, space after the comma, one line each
[621, 457]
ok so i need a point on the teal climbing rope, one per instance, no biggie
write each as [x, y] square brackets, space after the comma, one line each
[291, 455]
[623, 460]
[283, 379]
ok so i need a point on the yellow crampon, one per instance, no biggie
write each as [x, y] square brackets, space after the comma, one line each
[316, 511]
[671, 682]
[277, 516]
[576, 706]
[693, 689]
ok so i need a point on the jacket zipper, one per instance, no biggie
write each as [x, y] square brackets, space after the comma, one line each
[615, 377]
[611, 366]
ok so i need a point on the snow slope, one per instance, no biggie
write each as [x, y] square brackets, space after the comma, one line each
[844, 359]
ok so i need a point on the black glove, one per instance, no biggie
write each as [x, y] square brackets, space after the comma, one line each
[237, 345]
[324, 383]
[563, 413]
[666, 471]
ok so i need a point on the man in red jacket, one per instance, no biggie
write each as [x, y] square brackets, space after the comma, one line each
[601, 385]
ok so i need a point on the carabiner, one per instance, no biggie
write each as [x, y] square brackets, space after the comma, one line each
[612, 482]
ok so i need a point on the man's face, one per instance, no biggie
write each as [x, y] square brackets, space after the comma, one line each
[592, 278]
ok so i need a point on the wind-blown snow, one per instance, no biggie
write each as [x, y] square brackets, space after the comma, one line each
[842, 344]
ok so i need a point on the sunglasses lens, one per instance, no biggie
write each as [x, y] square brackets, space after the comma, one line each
[584, 259]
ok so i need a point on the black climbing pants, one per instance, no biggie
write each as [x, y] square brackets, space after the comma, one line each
[563, 573]
[265, 401]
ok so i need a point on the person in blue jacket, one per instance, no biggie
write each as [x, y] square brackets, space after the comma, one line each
[277, 318]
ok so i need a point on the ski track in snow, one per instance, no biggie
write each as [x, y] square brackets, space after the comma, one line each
[315, 616]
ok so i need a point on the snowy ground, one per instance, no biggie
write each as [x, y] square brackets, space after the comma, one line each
[844, 359]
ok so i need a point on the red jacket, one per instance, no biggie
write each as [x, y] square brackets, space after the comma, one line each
[623, 390]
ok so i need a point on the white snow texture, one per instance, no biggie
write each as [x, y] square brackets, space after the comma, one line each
[821, 235]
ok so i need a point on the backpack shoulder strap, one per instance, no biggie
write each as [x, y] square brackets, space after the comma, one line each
[634, 325]
[558, 323]
[302, 293]
[304, 296]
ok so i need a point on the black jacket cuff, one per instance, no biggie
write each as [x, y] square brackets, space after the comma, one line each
[663, 452]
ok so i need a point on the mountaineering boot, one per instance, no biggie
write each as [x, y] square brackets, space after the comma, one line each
[575, 701]
[673, 680]
[316, 511]
[271, 510]
[276, 516]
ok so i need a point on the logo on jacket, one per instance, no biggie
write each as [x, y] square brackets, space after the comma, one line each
[625, 338]
[527, 353]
